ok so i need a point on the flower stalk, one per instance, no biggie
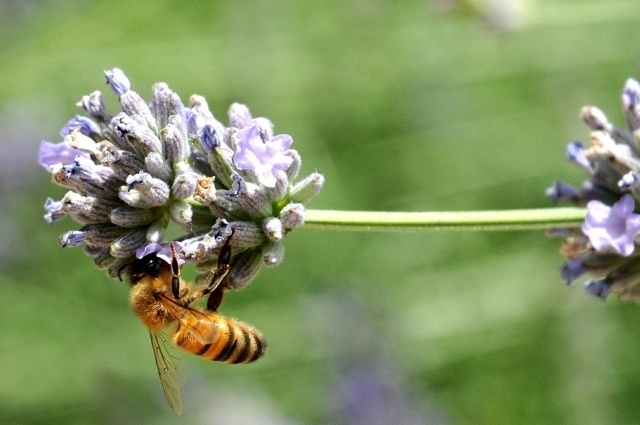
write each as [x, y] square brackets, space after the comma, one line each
[504, 220]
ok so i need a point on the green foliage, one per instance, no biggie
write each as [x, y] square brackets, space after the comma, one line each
[401, 108]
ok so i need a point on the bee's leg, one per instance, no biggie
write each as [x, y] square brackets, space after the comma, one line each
[214, 289]
[215, 298]
[175, 270]
[215, 293]
[224, 265]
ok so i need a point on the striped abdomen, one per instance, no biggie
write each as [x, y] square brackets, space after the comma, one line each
[219, 338]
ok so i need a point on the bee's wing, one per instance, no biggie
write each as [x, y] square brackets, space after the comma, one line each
[167, 370]
[204, 327]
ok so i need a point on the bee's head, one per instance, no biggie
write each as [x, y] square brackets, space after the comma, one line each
[148, 266]
[152, 260]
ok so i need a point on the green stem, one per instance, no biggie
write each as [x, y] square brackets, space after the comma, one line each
[533, 219]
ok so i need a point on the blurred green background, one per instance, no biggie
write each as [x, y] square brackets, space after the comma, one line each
[411, 105]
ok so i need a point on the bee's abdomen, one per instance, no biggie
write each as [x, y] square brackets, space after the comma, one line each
[236, 342]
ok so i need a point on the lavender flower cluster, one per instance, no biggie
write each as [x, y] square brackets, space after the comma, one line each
[132, 174]
[605, 248]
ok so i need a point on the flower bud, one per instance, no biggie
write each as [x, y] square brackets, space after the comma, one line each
[127, 244]
[104, 259]
[54, 210]
[180, 212]
[246, 235]
[239, 116]
[561, 192]
[155, 232]
[595, 118]
[71, 238]
[221, 162]
[87, 209]
[101, 234]
[280, 188]
[199, 106]
[118, 82]
[142, 189]
[175, 144]
[244, 267]
[273, 254]
[292, 216]
[184, 185]
[82, 125]
[128, 217]
[272, 228]
[93, 105]
[631, 103]
[139, 137]
[307, 188]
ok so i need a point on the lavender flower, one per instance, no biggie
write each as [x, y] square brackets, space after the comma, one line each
[605, 245]
[262, 154]
[612, 227]
[51, 154]
[132, 173]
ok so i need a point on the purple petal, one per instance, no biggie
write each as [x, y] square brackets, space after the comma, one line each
[615, 227]
[266, 176]
[280, 143]
[56, 153]
[148, 249]
[246, 160]
[281, 162]
[249, 155]
[162, 251]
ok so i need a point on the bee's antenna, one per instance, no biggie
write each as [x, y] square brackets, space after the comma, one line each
[122, 268]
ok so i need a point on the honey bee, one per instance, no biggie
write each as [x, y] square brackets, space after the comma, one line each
[160, 298]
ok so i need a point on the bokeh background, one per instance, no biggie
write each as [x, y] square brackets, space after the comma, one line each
[408, 105]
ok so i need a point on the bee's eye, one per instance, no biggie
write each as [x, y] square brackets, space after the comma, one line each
[151, 265]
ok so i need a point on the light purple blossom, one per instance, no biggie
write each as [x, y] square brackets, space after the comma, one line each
[263, 157]
[613, 227]
[162, 251]
[57, 153]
